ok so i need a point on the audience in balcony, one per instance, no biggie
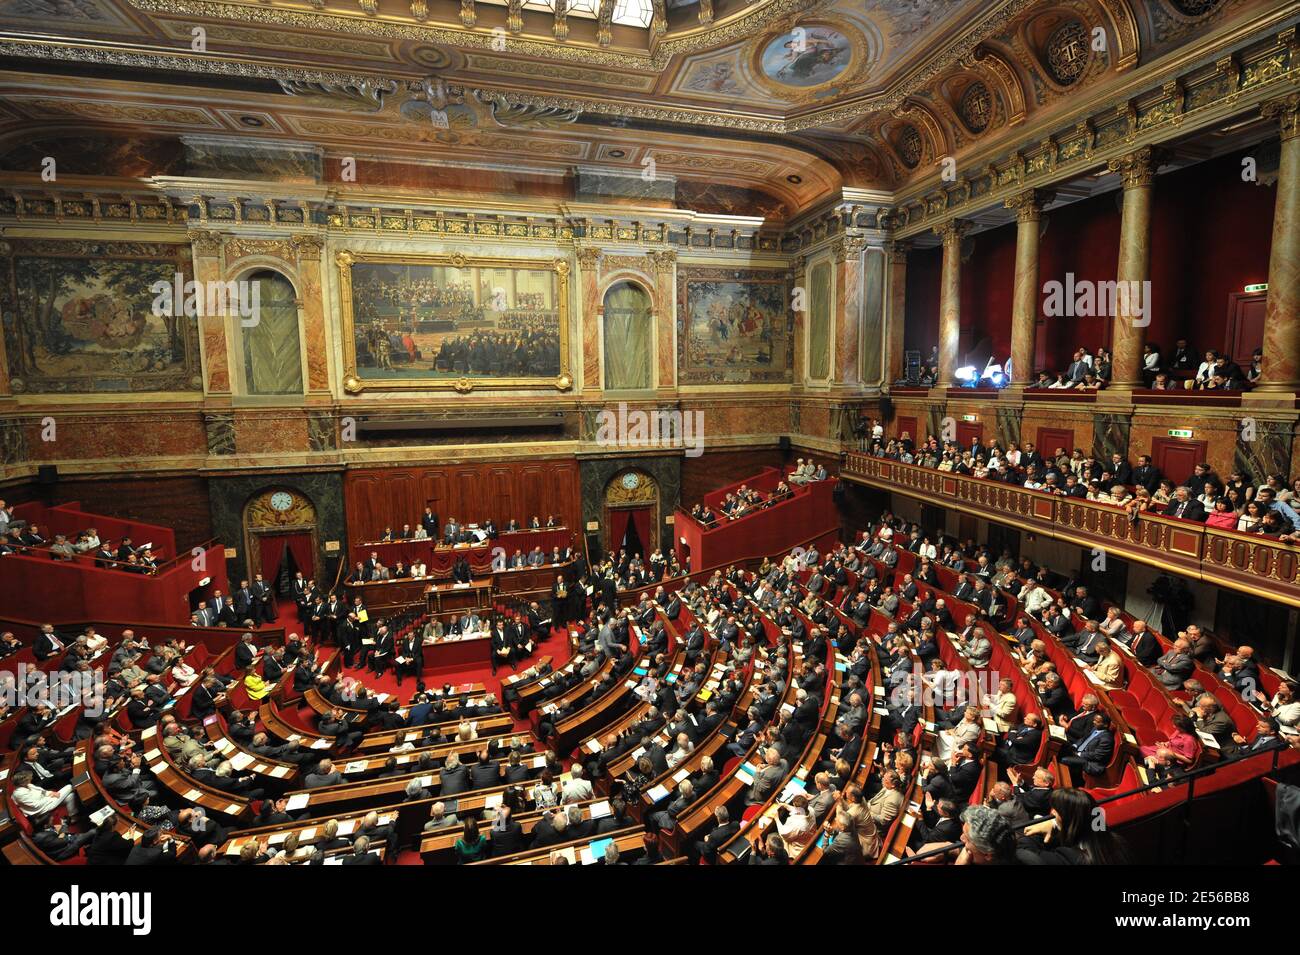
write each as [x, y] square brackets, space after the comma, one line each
[1185, 369]
[1235, 504]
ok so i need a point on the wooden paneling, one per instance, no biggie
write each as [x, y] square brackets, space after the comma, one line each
[907, 426]
[969, 432]
[1176, 458]
[1049, 439]
[180, 503]
[711, 471]
[472, 493]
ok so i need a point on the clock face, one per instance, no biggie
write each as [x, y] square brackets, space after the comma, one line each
[282, 500]
[630, 481]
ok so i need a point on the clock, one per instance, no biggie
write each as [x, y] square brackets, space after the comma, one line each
[631, 480]
[281, 500]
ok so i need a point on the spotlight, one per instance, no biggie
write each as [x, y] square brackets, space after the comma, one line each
[967, 373]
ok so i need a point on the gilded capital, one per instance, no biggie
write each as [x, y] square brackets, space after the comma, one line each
[952, 230]
[1139, 167]
[205, 243]
[1029, 204]
[307, 244]
[847, 247]
[1286, 111]
[588, 259]
[898, 248]
[665, 260]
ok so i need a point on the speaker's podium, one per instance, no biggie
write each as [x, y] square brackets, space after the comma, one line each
[444, 598]
[448, 602]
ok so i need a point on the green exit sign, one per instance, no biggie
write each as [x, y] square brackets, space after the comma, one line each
[969, 417]
[1180, 432]
[1262, 287]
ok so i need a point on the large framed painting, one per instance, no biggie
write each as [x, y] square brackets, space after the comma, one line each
[453, 321]
[81, 316]
[733, 326]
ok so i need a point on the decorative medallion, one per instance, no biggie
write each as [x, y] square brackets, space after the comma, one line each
[1068, 52]
[909, 146]
[976, 107]
[1194, 8]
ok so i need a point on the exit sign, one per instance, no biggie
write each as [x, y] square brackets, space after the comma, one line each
[968, 417]
[1180, 432]
[1262, 287]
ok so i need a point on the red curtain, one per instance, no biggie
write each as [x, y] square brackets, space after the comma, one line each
[300, 546]
[272, 550]
[643, 517]
[618, 519]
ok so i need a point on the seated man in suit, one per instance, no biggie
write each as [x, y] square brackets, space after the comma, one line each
[1093, 753]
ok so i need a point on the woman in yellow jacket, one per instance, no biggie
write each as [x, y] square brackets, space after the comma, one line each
[257, 687]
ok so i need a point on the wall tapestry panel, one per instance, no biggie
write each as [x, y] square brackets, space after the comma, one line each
[82, 316]
[733, 326]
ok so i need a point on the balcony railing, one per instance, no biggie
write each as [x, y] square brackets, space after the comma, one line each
[1259, 565]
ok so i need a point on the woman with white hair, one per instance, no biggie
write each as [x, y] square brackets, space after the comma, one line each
[683, 750]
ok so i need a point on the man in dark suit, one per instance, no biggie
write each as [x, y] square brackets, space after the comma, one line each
[1146, 474]
[242, 603]
[1091, 754]
[1020, 746]
[245, 652]
[722, 833]
[381, 654]
[263, 601]
[1145, 647]
[361, 854]
[410, 656]
[48, 643]
[1185, 506]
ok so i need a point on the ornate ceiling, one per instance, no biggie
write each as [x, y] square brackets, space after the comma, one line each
[758, 108]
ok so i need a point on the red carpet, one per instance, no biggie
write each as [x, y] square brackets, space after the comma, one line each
[557, 646]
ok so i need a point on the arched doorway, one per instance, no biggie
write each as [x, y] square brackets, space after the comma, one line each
[631, 513]
[280, 536]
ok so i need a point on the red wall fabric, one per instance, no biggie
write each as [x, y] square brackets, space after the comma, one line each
[921, 313]
[1211, 233]
[1082, 238]
[987, 281]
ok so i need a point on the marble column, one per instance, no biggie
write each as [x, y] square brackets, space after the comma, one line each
[665, 266]
[799, 280]
[1129, 327]
[216, 359]
[950, 299]
[590, 308]
[1024, 296]
[895, 308]
[308, 247]
[1280, 370]
[846, 317]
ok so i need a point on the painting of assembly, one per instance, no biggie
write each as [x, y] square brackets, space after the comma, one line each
[440, 321]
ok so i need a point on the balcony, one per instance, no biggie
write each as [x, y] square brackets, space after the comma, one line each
[1251, 563]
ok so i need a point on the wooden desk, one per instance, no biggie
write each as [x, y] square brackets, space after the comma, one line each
[456, 654]
[477, 594]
